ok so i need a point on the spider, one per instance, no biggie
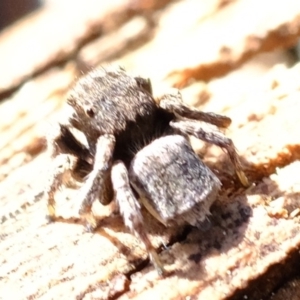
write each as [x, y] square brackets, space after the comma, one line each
[122, 145]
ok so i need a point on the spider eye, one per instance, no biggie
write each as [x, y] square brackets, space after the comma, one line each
[90, 112]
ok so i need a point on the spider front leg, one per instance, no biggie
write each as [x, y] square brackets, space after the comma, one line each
[98, 183]
[173, 103]
[192, 127]
[131, 211]
[62, 166]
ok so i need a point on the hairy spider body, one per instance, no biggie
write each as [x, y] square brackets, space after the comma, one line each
[119, 141]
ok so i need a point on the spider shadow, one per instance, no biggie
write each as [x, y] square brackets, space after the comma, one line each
[229, 221]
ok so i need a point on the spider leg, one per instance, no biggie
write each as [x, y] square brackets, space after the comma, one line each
[173, 103]
[98, 183]
[60, 169]
[191, 127]
[131, 210]
[63, 165]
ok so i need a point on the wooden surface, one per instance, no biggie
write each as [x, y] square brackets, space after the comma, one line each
[213, 51]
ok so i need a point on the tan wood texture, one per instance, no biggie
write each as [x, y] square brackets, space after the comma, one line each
[229, 57]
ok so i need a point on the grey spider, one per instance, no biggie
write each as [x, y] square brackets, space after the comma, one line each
[132, 146]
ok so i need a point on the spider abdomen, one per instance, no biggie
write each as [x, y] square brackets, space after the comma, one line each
[173, 183]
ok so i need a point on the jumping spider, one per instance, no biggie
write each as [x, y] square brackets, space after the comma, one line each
[121, 145]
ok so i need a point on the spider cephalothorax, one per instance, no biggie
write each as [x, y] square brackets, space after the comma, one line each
[119, 142]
